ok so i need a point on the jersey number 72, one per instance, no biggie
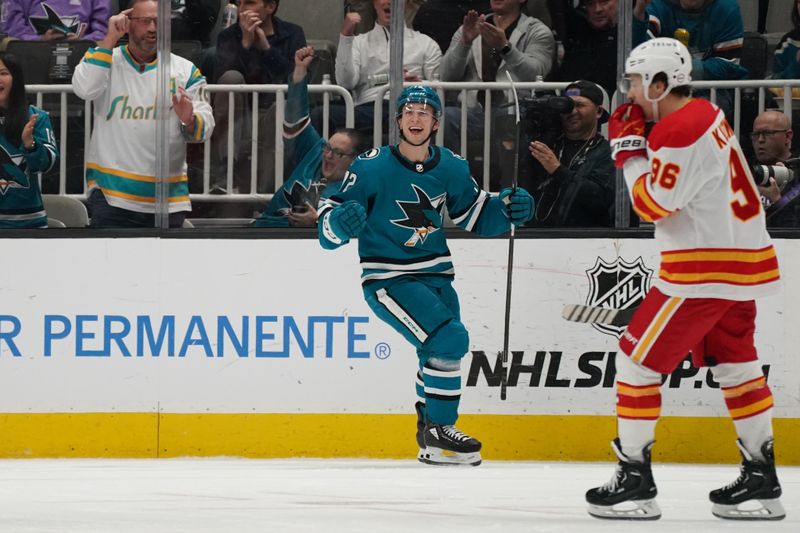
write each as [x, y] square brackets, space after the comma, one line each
[348, 181]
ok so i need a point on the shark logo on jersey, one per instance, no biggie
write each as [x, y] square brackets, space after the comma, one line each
[423, 216]
[12, 172]
[618, 284]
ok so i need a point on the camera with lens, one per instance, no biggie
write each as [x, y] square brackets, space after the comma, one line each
[542, 117]
[781, 174]
[540, 121]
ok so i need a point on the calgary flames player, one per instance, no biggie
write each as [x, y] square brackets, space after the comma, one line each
[689, 177]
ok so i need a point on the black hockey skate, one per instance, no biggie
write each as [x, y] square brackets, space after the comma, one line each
[420, 408]
[446, 445]
[757, 484]
[630, 495]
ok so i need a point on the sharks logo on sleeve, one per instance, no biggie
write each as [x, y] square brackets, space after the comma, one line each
[12, 172]
[422, 217]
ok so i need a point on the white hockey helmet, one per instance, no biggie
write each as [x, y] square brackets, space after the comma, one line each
[662, 54]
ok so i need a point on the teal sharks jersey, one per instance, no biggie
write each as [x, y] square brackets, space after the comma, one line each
[304, 143]
[20, 197]
[405, 203]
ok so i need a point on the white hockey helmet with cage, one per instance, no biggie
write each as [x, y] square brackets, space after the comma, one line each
[662, 54]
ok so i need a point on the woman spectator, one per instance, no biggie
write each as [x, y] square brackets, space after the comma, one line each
[27, 146]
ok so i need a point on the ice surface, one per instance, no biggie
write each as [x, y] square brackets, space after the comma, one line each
[244, 495]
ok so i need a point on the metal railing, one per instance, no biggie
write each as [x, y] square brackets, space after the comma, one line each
[524, 89]
[63, 139]
[759, 87]
[280, 110]
[326, 90]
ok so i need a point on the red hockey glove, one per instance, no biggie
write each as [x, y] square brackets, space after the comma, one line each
[626, 133]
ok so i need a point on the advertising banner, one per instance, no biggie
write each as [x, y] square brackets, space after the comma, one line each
[280, 326]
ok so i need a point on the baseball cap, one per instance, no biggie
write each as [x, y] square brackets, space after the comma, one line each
[588, 90]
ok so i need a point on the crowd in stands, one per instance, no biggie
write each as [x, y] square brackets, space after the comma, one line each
[259, 49]
[362, 63]
[568, 171]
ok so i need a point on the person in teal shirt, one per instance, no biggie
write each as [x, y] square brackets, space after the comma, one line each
[27, 146]
[786, 61]
[319, 164]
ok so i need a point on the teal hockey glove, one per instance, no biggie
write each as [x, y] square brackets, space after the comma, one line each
[519, 205]
[347, 220]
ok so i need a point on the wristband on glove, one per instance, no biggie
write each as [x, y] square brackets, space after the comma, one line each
[345, 221]
[627, 147]
[626, 129]
[327, 230]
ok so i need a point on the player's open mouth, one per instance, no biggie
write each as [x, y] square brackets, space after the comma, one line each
[415, 130]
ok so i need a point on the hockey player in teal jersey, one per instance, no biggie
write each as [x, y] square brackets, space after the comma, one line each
[393, 199]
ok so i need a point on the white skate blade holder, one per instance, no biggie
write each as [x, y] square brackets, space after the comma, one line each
[628, 510]
[750, 510]
[439, 457]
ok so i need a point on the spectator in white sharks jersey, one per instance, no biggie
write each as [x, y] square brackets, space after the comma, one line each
[121, 161]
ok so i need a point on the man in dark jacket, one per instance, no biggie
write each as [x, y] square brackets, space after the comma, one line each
[578, 187]
[191, 20]
[258, 50]
[590, 44]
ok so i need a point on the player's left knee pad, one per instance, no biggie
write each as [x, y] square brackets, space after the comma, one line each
[735, 374]
[634, 374]
[440, 363]
[749, 400]
[448, 343]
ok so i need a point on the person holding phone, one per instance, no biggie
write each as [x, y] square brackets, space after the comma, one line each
[319, 165]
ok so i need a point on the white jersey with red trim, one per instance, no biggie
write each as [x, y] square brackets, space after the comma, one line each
[696, 187]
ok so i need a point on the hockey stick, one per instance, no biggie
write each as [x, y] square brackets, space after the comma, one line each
[504, 353]
[597, 315]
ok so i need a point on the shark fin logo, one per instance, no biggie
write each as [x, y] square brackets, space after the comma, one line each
[423, 216]
[12, 172]
[53, 21]
[618, 285]
[300, 193]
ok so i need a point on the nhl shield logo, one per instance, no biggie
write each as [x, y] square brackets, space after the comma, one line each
[618, 285]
